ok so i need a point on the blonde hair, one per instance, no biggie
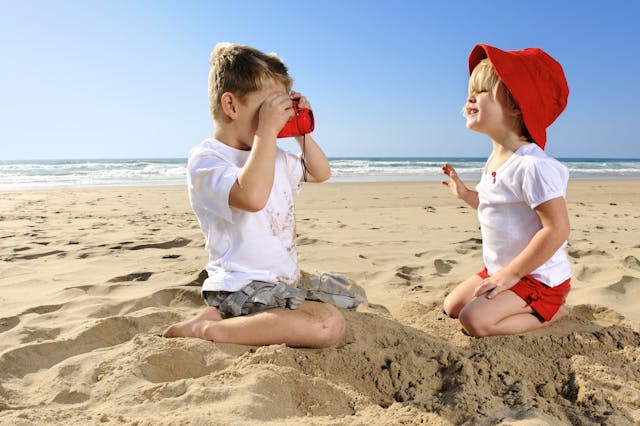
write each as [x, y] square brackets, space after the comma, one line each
[484, 78]
[241, 70]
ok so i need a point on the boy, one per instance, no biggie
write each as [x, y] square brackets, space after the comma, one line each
[241, 187]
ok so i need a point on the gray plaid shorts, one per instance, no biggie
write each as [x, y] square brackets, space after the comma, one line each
[258, 296]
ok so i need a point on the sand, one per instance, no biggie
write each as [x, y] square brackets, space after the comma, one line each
[89, 278]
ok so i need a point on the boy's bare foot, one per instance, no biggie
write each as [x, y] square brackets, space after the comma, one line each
[193, 327]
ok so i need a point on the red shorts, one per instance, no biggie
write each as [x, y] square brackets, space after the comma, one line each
[544, 300]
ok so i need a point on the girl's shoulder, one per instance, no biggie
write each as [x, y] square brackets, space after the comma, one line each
[533, 157]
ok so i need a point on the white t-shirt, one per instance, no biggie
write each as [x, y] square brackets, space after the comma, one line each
[243, 246]
[507, 219]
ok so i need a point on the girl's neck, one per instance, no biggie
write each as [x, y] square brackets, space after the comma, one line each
[503, 150]
[507, 145]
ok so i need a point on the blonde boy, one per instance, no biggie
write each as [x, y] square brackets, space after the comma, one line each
[241, 187]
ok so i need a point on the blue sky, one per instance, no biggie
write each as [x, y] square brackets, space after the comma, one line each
[122, 79]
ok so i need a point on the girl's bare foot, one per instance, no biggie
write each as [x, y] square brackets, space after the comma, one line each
[193, 327]
[562, 312]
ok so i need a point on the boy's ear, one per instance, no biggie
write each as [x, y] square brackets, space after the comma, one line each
[228, 102]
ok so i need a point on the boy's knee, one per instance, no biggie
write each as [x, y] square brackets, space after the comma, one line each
[332, 328]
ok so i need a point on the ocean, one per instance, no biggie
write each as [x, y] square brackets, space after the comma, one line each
[171, 171]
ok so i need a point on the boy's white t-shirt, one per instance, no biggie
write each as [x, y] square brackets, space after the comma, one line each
[243, 246]
[507, 219]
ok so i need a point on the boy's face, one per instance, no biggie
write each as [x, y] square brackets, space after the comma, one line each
[248, 116]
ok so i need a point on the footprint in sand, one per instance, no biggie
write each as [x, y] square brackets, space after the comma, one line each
[443, 266]
[136, 276]
[408, 273]
[577, 254]
[8, 323]
[60, 253]
[197, 281]
[175, 243]
[632, 262]
[44, 309]
[304, 241]
[625, 285]
[463, 247]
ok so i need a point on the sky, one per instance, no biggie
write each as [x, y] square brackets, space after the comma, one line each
[387, 78]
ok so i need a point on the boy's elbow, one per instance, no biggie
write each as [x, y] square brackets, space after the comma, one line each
[255, 203]
[249, 201]
[323, 177]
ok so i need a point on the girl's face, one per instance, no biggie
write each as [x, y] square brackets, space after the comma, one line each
[485, 114]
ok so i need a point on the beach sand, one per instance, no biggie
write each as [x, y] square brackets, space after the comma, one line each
[89, 279]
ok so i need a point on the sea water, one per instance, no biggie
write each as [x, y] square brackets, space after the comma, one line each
[172, 171]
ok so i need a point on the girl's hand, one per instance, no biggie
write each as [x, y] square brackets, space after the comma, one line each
[455, 184]
[497, 283]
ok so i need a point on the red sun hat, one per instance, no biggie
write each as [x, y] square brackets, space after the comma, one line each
[535, 80]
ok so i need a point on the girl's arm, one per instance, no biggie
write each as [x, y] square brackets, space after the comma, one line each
[458, 188]
[555, 230]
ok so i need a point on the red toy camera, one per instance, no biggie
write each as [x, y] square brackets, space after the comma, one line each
[300, 124]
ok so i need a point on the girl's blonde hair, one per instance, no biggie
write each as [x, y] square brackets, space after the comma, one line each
[484, 78]
[241, 70]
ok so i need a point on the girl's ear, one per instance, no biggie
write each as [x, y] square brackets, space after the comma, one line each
[514, 111]
[228, 102]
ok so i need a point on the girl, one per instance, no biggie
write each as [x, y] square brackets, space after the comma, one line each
[513, 97]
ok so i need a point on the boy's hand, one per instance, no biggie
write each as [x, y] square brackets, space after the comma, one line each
[302, 101]
[274, 113]
[497, 283]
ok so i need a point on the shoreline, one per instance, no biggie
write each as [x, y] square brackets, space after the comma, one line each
[341, 180]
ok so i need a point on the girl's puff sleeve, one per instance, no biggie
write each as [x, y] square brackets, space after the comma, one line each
[544, 180]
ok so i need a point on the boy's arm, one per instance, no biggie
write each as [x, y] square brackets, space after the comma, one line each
[255, 180]
[555, 231]
[314, 159]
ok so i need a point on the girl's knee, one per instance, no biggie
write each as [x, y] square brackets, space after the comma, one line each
[473, 323]
[451, 306]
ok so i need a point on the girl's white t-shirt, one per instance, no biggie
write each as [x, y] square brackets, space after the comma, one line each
[507, 219]
[243, 246]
